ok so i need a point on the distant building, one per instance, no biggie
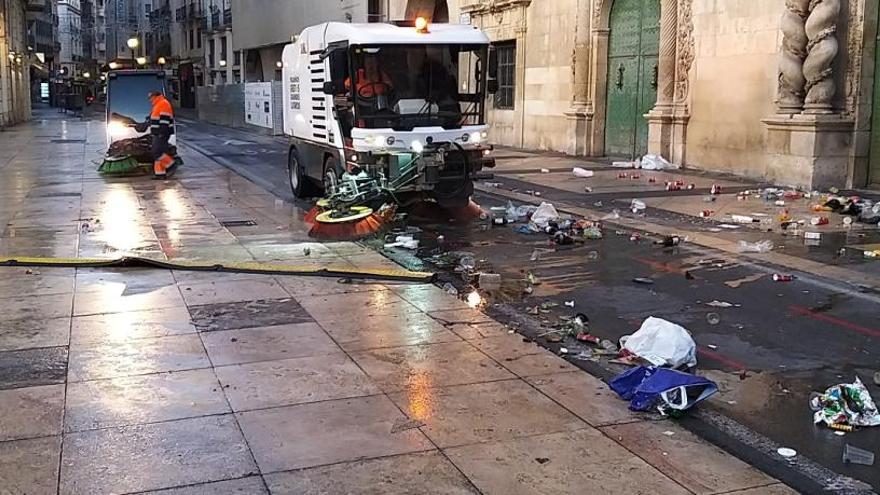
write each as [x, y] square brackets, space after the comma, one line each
[222, 62]
[187, 48]
[70, 59]
[42, 31]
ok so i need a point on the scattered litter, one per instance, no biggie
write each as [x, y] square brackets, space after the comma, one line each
[786, 452]
[669, 433]
[877, 378]
[669, 241]
[637, 206]
[655, 162]
[781, 277]
[582, 173]
[614, 215]
[538, 253]
[735, 284]
[644, 280]
[668, 391]
[712, 346]
[764, 246]
[545, 170]
[585, 337]
[840, 433]
[563, 350]
[848, 404]
[542, 460]
[490, 281]
[713, 318]
[450, 289]
[624, 164]
[728, 226]
[743, 219]
[545, 214]
[569, 304]
[403, 241]
[307, 251]
[662, 343]
[813, 236]
[855, 455]
[474, 299]
[720, 304]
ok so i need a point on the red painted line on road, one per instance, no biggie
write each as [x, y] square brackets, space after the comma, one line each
[800, 310]
[717, 357]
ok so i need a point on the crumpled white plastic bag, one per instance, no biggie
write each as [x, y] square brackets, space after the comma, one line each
[545, 214]
[662, 343]
[657, 162]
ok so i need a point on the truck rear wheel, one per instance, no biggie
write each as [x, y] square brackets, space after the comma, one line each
[300, 184]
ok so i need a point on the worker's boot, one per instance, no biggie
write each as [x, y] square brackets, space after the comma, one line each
[159, 170]
[163, 167]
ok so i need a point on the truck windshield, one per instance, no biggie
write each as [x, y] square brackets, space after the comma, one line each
[407, 86]
[127, 95]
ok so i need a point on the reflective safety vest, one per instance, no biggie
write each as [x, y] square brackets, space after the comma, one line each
[162, 116]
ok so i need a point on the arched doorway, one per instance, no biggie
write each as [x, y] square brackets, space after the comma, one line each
[436, 10]
[633, 54]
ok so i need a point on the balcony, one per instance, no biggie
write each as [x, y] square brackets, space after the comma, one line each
[227, 17]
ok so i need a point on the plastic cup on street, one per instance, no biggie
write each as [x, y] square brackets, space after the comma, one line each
[713, 318]
[855, 455]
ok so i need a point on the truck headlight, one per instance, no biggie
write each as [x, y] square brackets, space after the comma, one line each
[417, 147]
[116, 129]
[476, 137]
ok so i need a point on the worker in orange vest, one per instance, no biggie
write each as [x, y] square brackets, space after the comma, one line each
[161, 128]
[371, 81]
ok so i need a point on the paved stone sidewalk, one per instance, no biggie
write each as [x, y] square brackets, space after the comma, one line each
[137, 380]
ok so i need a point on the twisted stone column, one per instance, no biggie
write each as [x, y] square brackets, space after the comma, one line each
[794, 51]
[666, 62]
[821, 27]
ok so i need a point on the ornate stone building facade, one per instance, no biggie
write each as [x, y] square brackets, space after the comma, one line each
[782, 90]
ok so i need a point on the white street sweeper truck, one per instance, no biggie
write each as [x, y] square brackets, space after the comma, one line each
[382, 113]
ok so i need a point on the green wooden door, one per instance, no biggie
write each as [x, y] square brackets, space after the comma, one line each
[874, 162]
[633, 48]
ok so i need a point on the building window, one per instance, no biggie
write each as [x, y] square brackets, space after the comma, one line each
[223, 49]
[192, 43]
[504, 98]
[198, 38]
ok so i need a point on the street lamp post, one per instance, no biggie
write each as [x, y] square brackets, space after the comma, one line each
[132, 43]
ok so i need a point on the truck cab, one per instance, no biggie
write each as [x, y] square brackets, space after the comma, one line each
[399, 107]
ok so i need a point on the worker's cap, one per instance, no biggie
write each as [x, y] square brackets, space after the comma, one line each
[155, 93]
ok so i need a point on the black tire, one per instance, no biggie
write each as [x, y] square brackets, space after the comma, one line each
[330, 179]
[300, 184]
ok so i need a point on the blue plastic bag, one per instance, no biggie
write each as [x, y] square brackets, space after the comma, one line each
[647, 388]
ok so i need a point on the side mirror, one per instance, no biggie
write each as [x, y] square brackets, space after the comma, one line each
[492, 86]
[493, 63]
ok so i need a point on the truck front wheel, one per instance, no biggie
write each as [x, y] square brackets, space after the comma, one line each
[300, 184]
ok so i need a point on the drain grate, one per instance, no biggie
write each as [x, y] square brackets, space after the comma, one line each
[238, 223]
[67, 141]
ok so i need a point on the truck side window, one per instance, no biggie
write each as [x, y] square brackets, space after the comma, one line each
[342, 102]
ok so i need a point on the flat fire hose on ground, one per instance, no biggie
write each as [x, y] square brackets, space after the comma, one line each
[235, 267]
